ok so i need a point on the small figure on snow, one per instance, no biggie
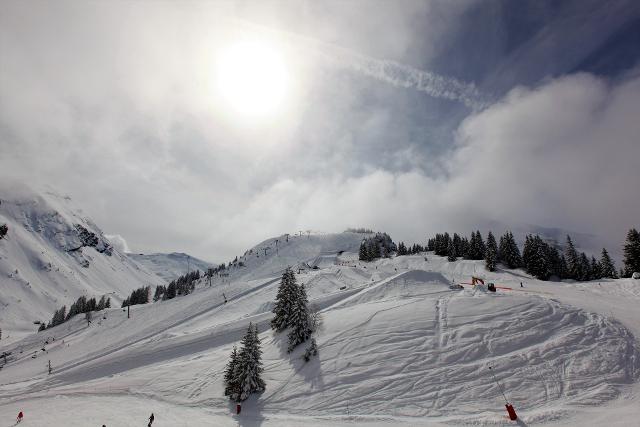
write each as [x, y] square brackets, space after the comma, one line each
[151, 418]
[521, 285]
[20, 417]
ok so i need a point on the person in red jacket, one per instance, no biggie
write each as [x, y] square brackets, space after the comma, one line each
[20, 417]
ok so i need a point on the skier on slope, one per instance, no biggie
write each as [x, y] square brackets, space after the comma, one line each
[151, 418]
[20, 417]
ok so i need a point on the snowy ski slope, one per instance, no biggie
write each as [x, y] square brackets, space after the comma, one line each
[397, 347]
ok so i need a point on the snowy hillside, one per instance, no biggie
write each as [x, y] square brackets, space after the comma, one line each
[301, 251]
[53, 254]
[397, 347]
[170, 266]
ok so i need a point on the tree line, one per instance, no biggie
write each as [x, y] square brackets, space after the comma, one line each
[412, 250]
[81, 306]
[183, 285]
[542, 259]
[377, 246]
[138, 296]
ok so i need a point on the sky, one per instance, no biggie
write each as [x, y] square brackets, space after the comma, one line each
[410, 117]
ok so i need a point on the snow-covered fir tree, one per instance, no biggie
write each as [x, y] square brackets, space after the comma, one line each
[457, 243]
[595, 269]
[363, 254]
[248, 368]
[299, 320]
[481, 248]
[508, 252]
[230, 384]
[285, 301]
[607, 268]
[631, 253]
[574, 270]
[491, 253]
[585, 267]
[402, 249]
[451, 252]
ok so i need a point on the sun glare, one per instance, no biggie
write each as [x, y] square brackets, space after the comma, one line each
[252, 78]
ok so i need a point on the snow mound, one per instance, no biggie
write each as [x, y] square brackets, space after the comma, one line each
[430, 357]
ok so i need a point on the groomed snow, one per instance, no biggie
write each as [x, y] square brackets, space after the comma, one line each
[397, 347]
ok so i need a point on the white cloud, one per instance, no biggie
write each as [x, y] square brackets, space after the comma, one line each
[118, 242]
[134, 140]
[564, 154]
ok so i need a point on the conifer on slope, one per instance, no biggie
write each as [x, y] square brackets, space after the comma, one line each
[285, 300]
[491, 253]
[632, 253]
[230, 384]
[300, 320]
[248, 368]
[607, 268]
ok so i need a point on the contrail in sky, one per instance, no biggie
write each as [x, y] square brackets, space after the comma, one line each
[387, 71]
[401, 75]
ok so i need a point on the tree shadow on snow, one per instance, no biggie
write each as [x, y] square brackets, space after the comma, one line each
[311, 371]
[251, 413]
[521, 423]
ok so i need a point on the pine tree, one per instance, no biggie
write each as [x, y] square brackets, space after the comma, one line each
[473, 247]
[563, 270]
[542, 267]
[374, 249]
[491, 253]
[248, 368]
[573, 260]
[300, 320]
[595, 270]
[464, 244]
[230, 383]
[402, 249]
[451, 252]
[481, 248]
[3, 230]
[508, 252]
[285, 301]
[585, 267]
[457, 244]
[527, 253]
[363, 254]
[632, 253]
[607, 268]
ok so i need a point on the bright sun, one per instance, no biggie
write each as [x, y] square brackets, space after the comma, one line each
[253, 79]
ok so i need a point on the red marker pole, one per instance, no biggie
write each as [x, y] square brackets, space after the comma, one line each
[512, 412]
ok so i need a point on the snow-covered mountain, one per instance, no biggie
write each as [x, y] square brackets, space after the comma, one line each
[397, 346]
[51, 255]
[301, 251]
[170, 266]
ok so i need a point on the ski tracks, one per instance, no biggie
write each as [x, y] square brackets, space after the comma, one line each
[441, 321]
